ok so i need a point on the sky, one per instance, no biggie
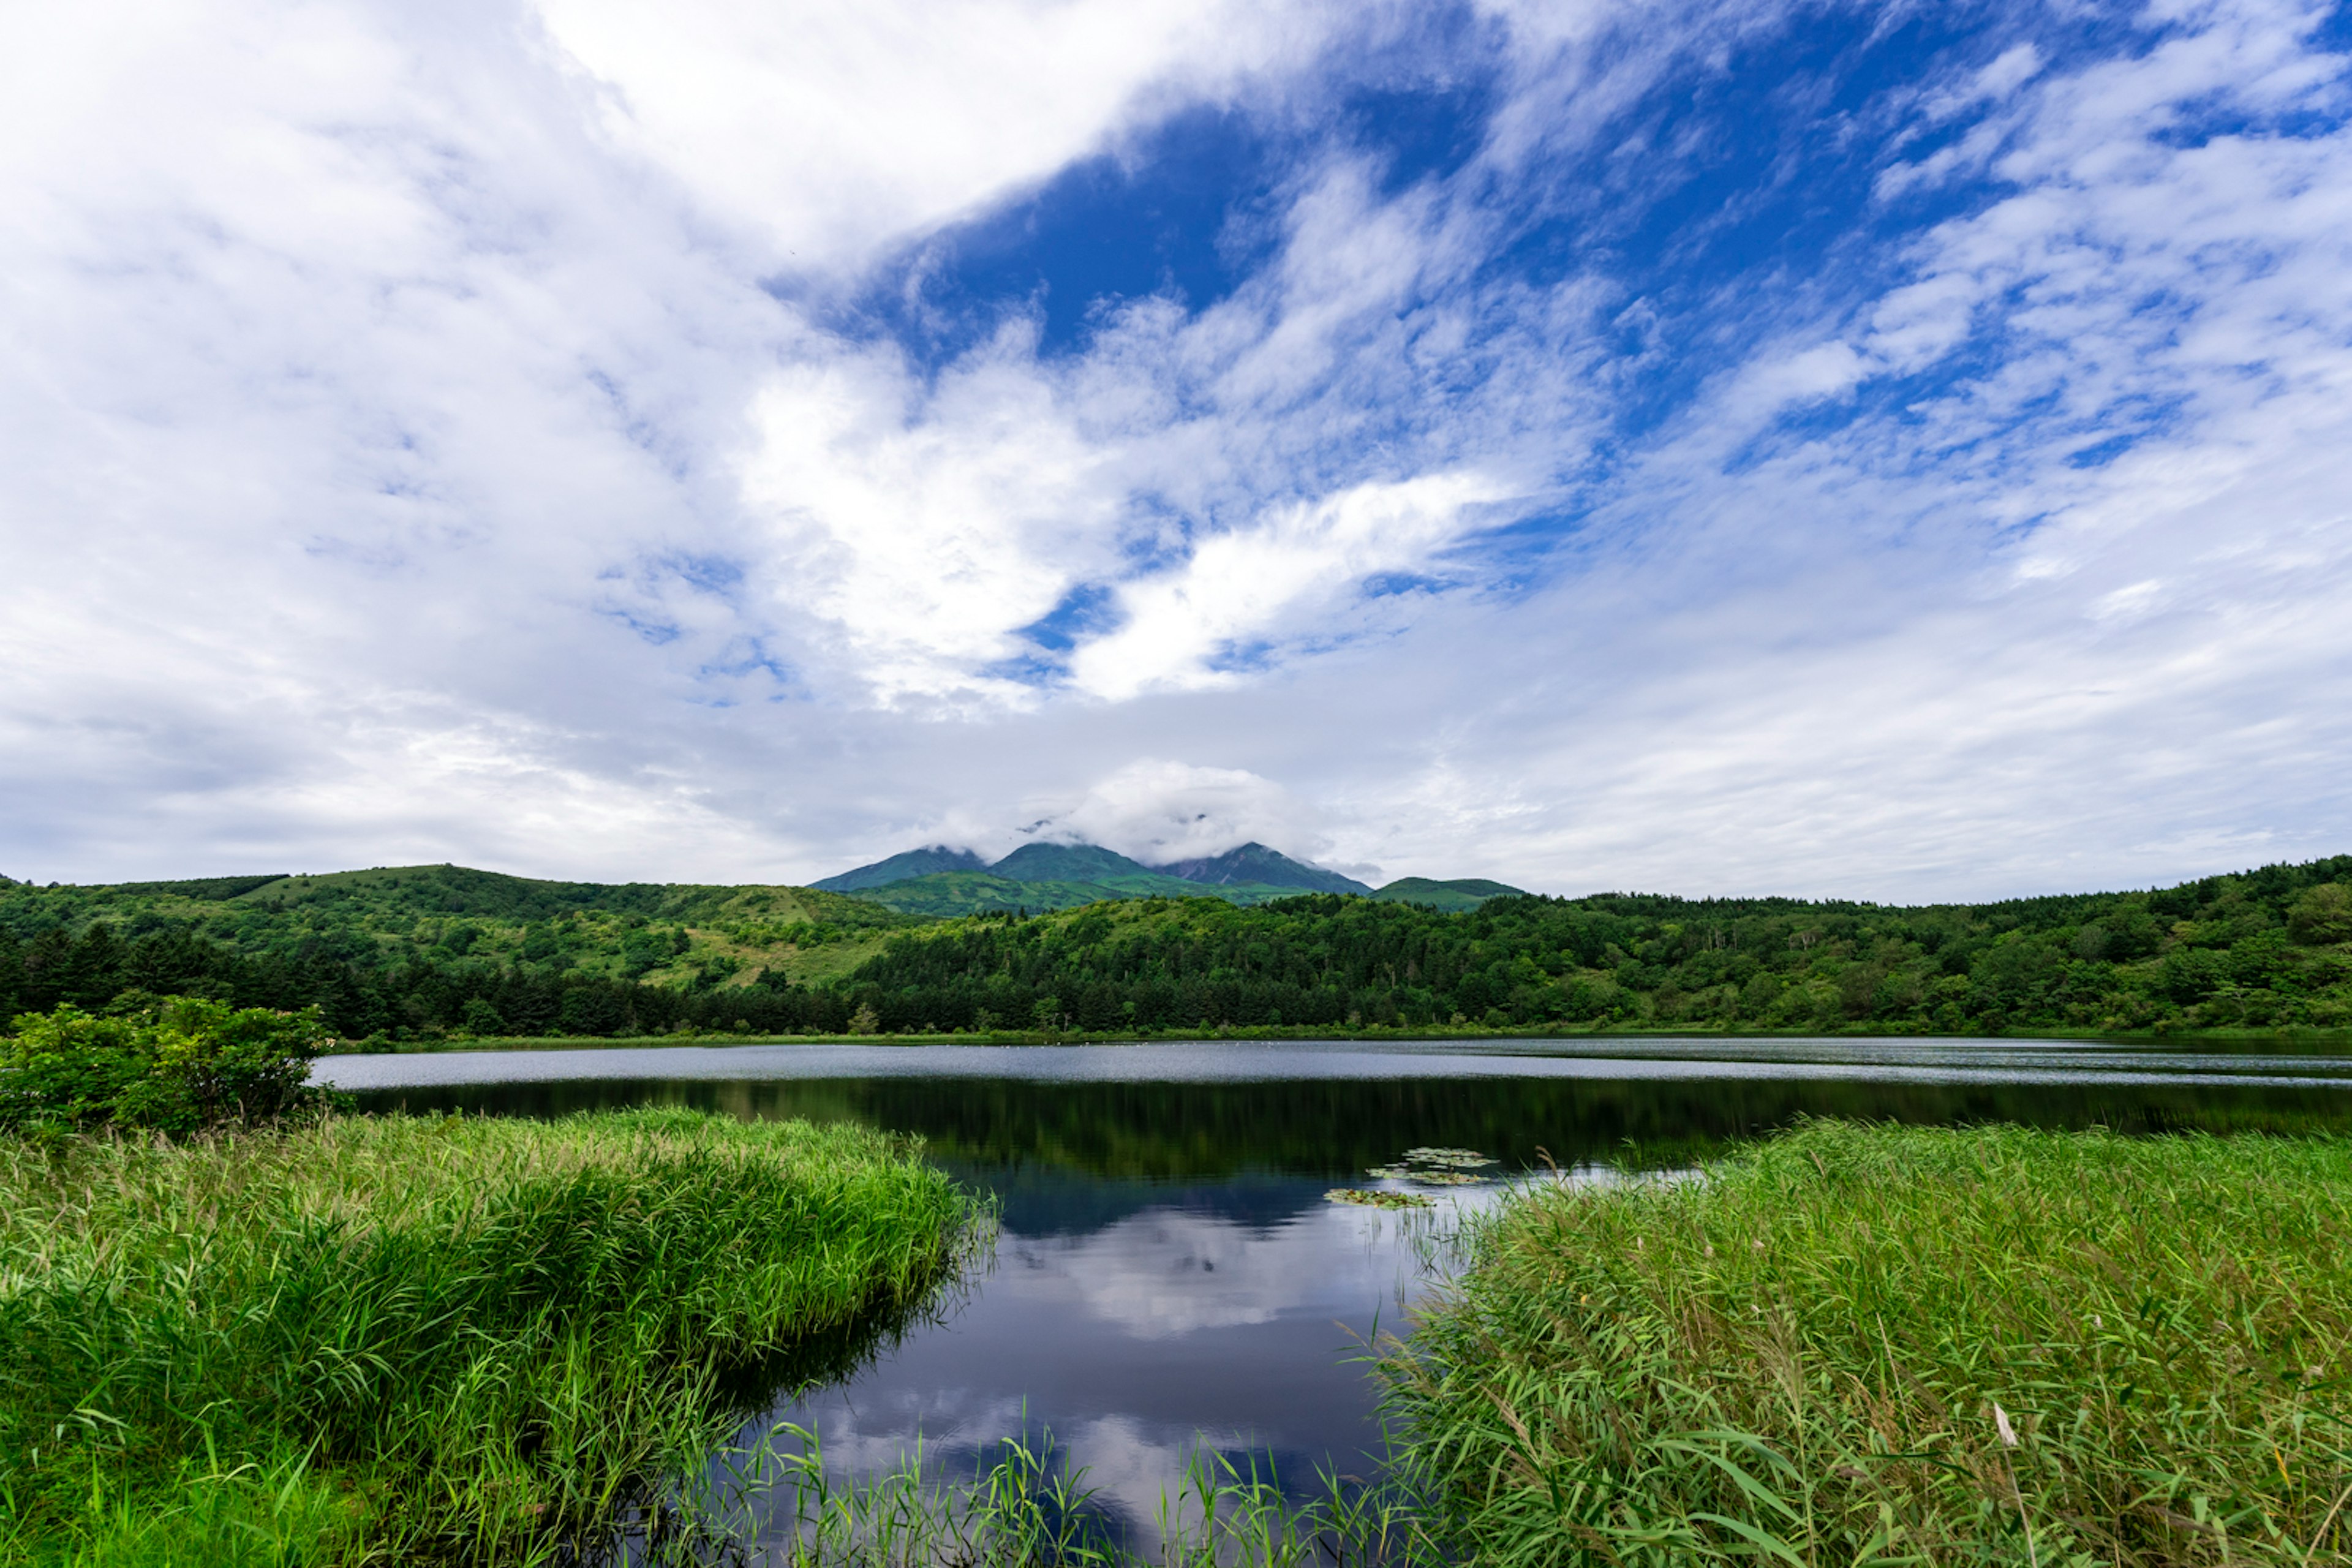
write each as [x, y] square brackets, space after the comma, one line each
[1889, 451]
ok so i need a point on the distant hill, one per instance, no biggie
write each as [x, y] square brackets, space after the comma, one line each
[903, 868]
[948, 895]
[1466, 893]
[943, 883]
[1255, 865]
[394, 917]
[1068, 863]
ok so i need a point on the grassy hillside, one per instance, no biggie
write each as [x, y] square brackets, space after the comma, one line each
[664, 933]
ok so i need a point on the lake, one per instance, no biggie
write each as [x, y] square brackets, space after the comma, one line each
[1169, 1272]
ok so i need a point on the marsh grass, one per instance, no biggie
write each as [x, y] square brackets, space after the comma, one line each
[407, 1339]
[1857, 1344]
[781, 1507]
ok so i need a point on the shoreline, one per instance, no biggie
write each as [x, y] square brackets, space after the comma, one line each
[715, 1039]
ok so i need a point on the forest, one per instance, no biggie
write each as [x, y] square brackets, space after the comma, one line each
[429, 953]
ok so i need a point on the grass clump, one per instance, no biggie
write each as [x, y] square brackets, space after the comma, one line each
[401, 1338]
[1861, 1344]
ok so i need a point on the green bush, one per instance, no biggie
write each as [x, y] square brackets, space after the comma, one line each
[176, 1064]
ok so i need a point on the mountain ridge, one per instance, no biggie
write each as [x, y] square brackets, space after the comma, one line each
[1255, 863]
[942, 882]
[902, 867]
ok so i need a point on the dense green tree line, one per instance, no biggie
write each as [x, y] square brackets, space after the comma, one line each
[443, 914]
[2264, 949]
[417, 999]
[424, 951]
[383, 957]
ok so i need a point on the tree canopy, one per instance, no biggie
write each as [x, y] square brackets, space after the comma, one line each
[424, 952]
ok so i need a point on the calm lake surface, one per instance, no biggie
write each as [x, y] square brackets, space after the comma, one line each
[1169, 1272]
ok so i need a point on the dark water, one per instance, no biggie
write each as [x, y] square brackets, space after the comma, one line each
[1169, 1272]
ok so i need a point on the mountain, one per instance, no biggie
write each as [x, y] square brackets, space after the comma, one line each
[1254, 863]
[903, 868]
[1464, 893]
[950, 894]
[942, 883]
[1068, 863]
[1251, 866]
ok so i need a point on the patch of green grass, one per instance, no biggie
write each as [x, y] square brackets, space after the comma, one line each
[389, 1338]
[1860, 1344]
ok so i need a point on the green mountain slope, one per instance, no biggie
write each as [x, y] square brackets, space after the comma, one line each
[1085, 873]
[1465, 893]
[903, 867]
[394, 915]
[1256, 864]
[950, 894]
[1070, 863]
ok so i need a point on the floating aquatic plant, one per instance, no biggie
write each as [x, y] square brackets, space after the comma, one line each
[1435, 1168]
[1373, 1198]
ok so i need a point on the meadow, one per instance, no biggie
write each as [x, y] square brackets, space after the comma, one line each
[401, 1339]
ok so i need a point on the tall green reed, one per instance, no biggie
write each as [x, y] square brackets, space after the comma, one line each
[781, 1504]
[428, 1337]
[1879, 1345]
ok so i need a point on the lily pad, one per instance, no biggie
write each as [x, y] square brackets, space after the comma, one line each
[1458, 1159]
[1373, 1198]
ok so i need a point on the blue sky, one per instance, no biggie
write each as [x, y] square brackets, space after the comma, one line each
[1887, 450]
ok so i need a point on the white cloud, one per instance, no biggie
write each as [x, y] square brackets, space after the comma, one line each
[1824, 370]
[342, 367]
[1167, 1272]
[1158, 812]
[925, 528]
[1238, 588]
[1926, 651]
[835, 128]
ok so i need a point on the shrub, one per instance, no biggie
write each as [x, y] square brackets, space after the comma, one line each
[178, 1065]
